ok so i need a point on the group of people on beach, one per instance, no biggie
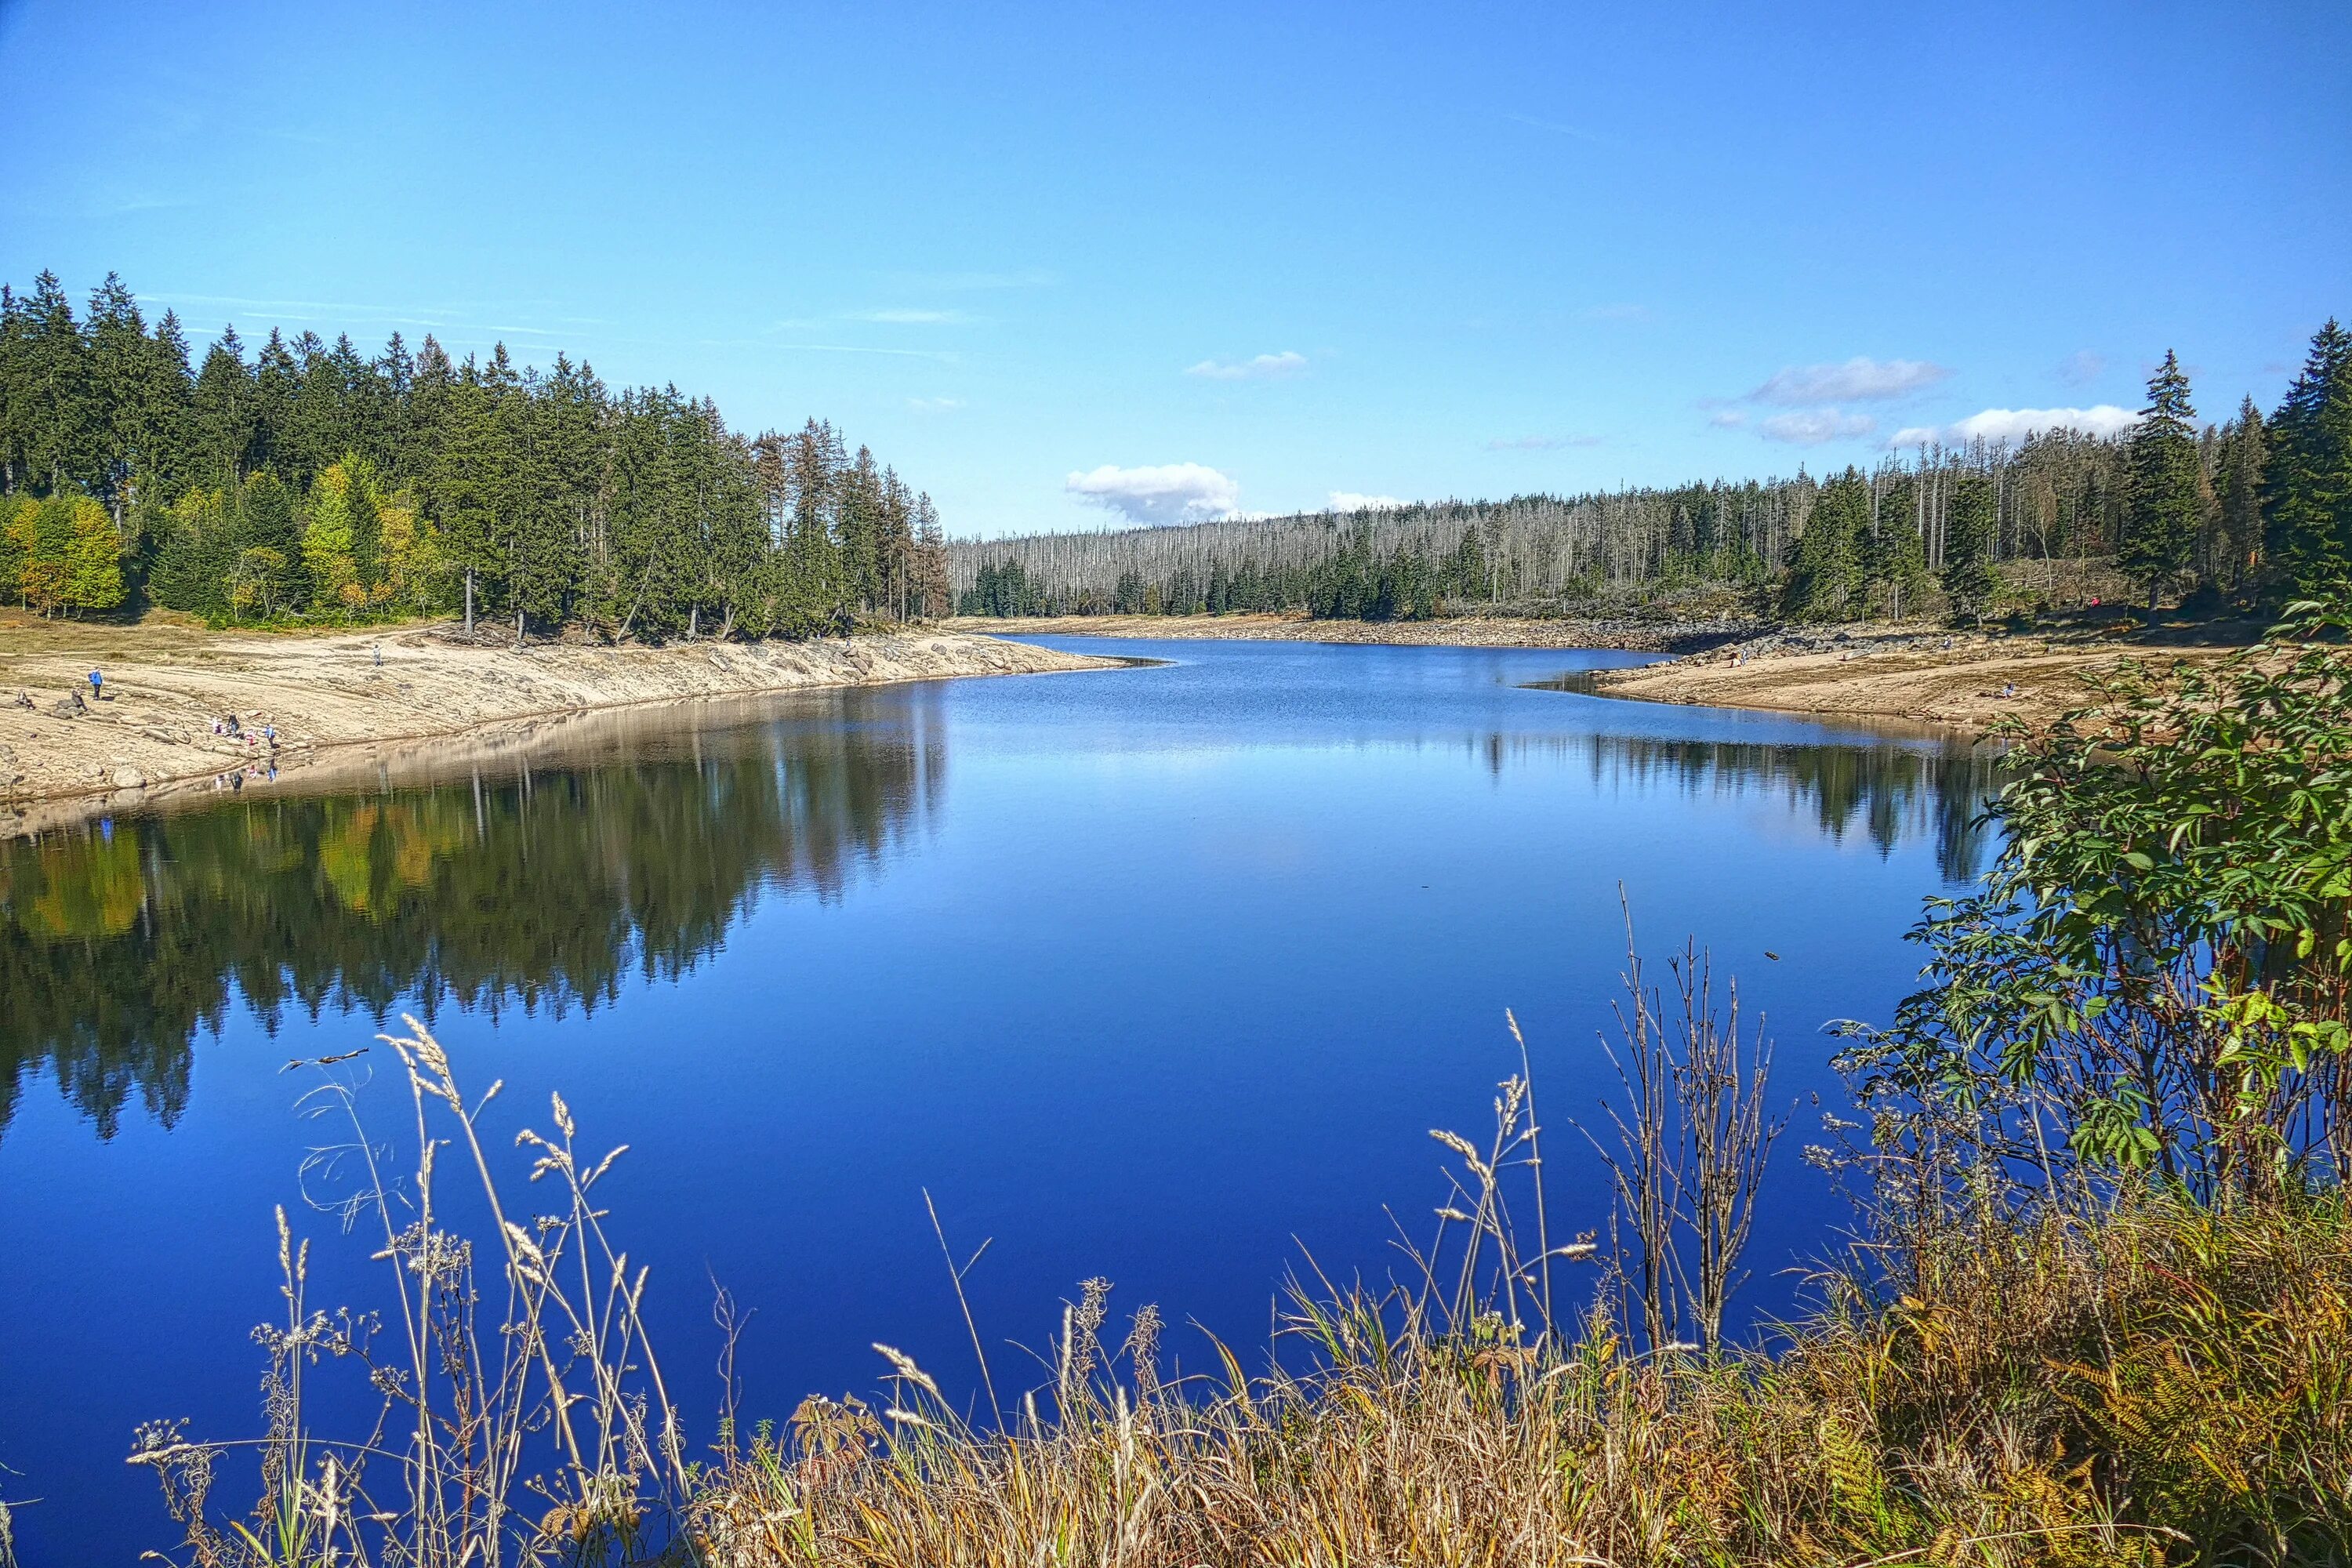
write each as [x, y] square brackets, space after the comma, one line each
[228, 724]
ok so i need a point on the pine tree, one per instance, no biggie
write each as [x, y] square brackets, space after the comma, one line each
[196, 554]
[268, 549]
[61, 442]
[1894, 563]
[224, 412]
[169, 445]
[276, 377]
[117, 371]
[2307, 482]
[1970, 583]
[2238, 524]
[2165, 507]
[1825, 581]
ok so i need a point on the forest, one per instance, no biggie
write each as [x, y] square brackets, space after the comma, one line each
[305, 484]
[2246, 510]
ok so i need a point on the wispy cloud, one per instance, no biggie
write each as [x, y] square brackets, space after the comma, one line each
[935, 404]
[1859, 379]
[1558, 128]
[1803, 426]
[1161, 493]
[2082, 367]
[1264, 367]
[1348, 500]
[2016, 425]
[1539, 443]
[868, 349]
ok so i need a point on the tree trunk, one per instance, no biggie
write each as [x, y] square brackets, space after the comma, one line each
[469, 601]
[518, 628]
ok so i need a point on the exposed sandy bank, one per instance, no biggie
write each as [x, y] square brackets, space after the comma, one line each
[165, 685]
[1463, 631]
[1924, 675]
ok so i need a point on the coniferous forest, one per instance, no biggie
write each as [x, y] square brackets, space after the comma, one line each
[2248, 509]
[303, 481]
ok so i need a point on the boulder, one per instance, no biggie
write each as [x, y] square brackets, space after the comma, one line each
[70, 705]
[129, 778]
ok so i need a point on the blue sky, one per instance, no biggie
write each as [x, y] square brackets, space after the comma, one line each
[1069, 266]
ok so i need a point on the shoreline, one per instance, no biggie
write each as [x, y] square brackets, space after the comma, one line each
[331, 701]
[1915, 673]
[1623, 634]
[1964, 681]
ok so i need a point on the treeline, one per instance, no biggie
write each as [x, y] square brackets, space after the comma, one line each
[1355, 580]
[308, 480]
[2247, 509]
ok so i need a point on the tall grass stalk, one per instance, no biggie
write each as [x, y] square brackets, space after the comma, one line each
[523, 1418]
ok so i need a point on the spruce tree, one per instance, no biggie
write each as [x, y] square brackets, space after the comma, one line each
[1895, 559]
[61, 437]
[2238, 532]
[224, 413]
[1825, 581]
[116, 412]
[2307, 483]
[2165, 507]
[1969, 582]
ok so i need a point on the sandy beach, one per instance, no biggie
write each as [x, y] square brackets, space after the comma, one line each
[1967, 680]
[168, 690]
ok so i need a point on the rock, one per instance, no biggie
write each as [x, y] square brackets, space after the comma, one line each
[129, 778]
[70, 705]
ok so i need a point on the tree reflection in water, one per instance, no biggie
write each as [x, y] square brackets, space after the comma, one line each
[542, 882]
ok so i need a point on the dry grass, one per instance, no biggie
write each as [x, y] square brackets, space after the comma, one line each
[2153, 1384]
[2166, 1386]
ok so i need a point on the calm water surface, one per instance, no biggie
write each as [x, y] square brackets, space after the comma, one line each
[1143, 974]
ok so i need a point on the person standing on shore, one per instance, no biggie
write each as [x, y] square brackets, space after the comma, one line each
[96, 681]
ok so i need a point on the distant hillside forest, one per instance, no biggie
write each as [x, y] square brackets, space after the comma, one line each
[2244, 510]
[307, 482]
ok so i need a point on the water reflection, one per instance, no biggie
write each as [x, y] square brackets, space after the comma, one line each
[1891, 793]
[542, 883]
[631, 845]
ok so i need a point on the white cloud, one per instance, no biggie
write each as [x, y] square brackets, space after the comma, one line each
[934, 404]
[1729, 419]
[1812, 426]
[1348, 500]
[1858, 377]
[2016, 425]
[1169, 493]
[1264, 367]
[1539, 443]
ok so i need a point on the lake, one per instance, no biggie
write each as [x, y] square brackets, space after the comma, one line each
[1160, 973]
